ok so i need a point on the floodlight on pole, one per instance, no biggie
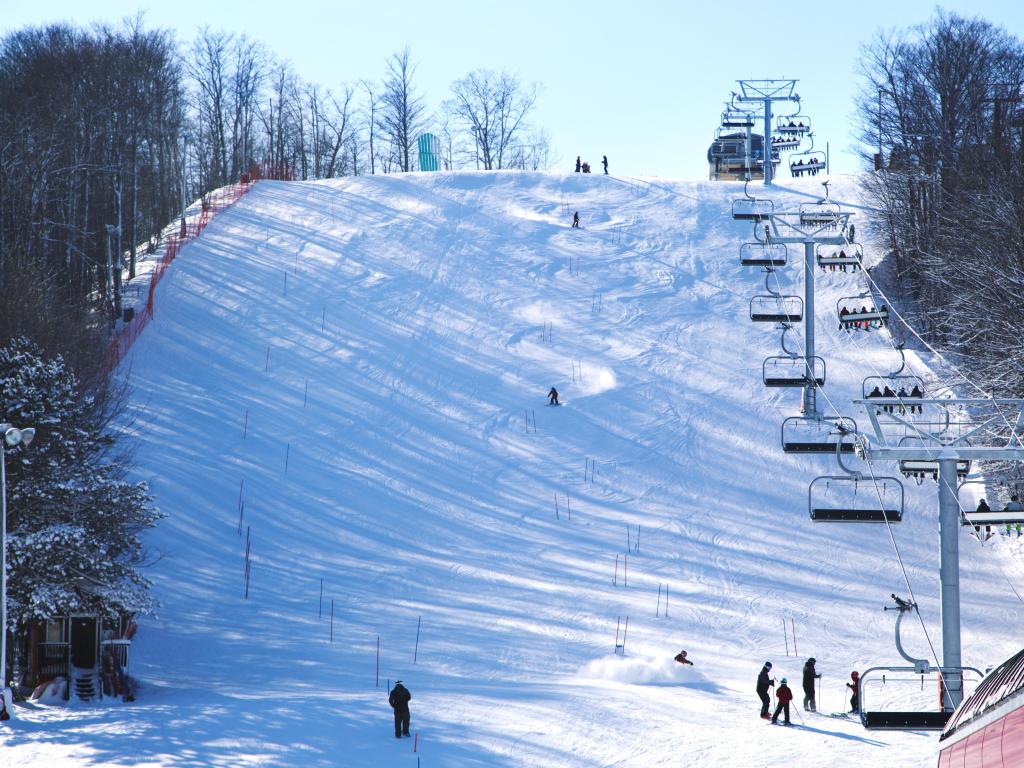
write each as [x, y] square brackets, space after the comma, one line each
[13, 437]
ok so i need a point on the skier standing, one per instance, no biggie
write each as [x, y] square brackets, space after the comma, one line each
[577, 163]
[604, 162]
[855, 687]
[399, 701]
[810, 674]
[785, 695]
[764, 682]
[576, 219]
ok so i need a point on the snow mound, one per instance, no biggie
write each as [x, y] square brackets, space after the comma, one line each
[641, 670]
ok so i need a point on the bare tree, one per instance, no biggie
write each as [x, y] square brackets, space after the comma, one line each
[941, 105]
[493, 108]
[401, 109]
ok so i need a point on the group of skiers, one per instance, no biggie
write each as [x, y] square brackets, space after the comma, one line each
[902, 394]
[840, 259]
[784, 694]
[854, 318]
[582, 167]
[812, 166]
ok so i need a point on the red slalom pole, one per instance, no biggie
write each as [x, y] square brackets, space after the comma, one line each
[416, 741]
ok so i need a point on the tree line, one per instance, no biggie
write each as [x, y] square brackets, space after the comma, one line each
[942, 111]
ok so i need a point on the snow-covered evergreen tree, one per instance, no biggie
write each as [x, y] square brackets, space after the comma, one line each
[73, 520]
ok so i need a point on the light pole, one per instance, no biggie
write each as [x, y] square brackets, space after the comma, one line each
[13, 437]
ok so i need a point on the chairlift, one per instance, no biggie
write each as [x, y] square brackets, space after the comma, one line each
[785, 143]
[776, 309]
[823, 213]
[852, 499]
[920, 469]
[908, 390]
[864, 318]
[818, 434]
[978, 512]
[793, 371]
[811, 161]
[735, 119]
[750, 208]
[758, 254]
[895, 698]
[793, 125]
[831, 257]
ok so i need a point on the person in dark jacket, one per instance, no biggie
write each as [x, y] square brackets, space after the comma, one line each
[553, 397]
[810, 675]
[576, 219]
[578, 165]
[399, 701]
[784, 695]
[681, 658]
[604, 161]
[764, 682]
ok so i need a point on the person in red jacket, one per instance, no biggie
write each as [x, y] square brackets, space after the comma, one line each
[854, 686]
[681, 658]
[784, 695]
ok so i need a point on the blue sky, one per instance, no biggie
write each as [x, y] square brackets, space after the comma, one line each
[642, 82]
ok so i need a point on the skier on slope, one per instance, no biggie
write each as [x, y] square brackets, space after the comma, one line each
[576, 219]
[681, 658]
[553, 397]
[855, 687]
[764, 682]
[785, 695]
[399, 701]
[810, 675]
[604, 161]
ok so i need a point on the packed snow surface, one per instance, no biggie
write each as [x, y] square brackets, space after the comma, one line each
[352, 375]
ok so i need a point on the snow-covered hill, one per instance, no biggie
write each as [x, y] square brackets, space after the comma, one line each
[352, 374]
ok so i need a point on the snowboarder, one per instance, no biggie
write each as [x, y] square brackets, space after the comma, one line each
[855, 687]
[576, 219]
[553, 397]
[399, 701]
[681, 658]
[810, 675]
[577, 164]
[764, 682]
[604, 162]
[785, 695]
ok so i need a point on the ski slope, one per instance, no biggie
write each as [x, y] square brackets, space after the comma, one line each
[353, 374]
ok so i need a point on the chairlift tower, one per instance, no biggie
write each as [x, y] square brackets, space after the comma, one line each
[764, 92]
[823, 226]
[949, 432]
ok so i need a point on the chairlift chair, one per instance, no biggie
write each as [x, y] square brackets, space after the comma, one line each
[763, 254]
[818, 434]
[1012, 513]
[840, 256]
[750, 208]
[851, 499]
[793, 125]
[821, 214]
[905, 719]
[734, 119]
[811, 161]
[894, 386]
[915, 709]
[793, 371]
[863, 318]
[776, 309]
[786, 142]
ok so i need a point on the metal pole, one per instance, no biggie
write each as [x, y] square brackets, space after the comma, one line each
[949, 574]
[879, 126]
[766, 143]
[810, 404]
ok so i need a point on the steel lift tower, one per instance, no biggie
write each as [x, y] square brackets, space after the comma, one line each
[765, 92]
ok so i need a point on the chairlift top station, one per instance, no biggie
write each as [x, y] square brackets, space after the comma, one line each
[922, 431]
[738, 153]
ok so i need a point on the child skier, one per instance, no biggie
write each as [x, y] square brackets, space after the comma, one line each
[855, 687]
[784, 695]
